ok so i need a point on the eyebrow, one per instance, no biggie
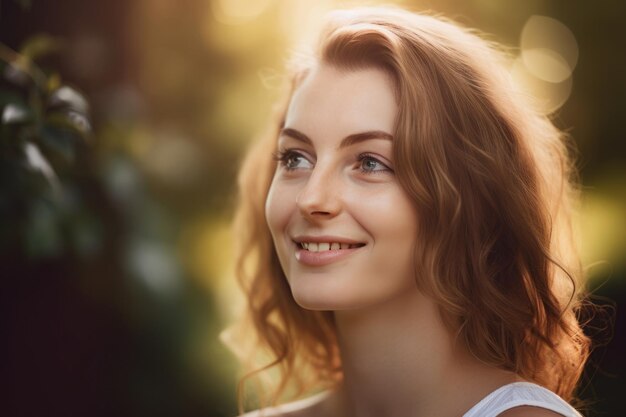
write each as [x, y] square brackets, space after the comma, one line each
[345, 142]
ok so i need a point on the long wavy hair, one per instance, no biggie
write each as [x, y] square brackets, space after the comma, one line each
[494, 185]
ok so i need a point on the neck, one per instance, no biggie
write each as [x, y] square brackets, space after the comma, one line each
[399, 359]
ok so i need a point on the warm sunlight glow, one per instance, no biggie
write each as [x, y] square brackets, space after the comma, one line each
[236, 12]
[549, 49]
[548, 96]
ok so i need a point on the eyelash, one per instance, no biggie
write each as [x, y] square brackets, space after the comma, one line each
[283, 158]
[365, 156]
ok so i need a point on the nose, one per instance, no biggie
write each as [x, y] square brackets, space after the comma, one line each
[320, 196]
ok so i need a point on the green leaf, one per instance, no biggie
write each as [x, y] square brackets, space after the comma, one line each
[15, 114]
[37, 162]
[68, 98]
[59, 139]
[74, 122]
[54, 82]
[40, 45]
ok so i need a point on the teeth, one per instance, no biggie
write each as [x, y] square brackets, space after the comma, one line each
[317, 247]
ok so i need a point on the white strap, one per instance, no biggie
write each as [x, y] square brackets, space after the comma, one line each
[519, 394]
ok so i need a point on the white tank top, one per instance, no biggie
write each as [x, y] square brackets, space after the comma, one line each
[518, 394]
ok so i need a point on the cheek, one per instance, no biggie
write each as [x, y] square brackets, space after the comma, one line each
[278, 208]
[387, 211]
[392, 223]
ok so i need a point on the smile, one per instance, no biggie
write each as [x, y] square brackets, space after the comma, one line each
[322, 253]
[319, 246]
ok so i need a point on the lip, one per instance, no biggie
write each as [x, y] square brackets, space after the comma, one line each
[326, 257]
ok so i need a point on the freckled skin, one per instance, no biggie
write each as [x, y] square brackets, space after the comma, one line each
[328, 194]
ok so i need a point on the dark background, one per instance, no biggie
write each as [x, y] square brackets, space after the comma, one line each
[113, 296]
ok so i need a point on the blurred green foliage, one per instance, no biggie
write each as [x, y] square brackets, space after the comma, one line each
[44, 125]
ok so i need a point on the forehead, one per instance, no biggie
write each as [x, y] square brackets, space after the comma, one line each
[332, 103]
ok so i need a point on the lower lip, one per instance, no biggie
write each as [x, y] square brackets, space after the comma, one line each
[323, 257]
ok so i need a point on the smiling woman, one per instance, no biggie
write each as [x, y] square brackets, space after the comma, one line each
[405, 237]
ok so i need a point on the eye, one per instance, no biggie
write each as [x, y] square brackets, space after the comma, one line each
[370, 165]
[291, 159]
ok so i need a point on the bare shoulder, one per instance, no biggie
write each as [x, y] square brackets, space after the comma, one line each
[529, 411]
[314, 406]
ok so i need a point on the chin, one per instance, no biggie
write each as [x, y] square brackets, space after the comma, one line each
[314, 298]
[319, 301]
[316, 303]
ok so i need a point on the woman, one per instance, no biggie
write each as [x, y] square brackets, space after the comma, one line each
[408, 251]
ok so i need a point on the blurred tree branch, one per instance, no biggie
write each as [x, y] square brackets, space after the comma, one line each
[43, 124]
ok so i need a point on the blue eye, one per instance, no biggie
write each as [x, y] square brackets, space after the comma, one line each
[290, 159]
[370, 165]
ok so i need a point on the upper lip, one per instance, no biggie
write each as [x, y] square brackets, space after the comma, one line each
[325, 239]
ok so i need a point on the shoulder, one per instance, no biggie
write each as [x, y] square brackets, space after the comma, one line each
[529, 411]
[308, 407]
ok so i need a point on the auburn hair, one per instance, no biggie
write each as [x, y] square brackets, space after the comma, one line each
[494, 184]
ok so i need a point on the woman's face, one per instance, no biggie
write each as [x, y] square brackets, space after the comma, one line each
[343, 228]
